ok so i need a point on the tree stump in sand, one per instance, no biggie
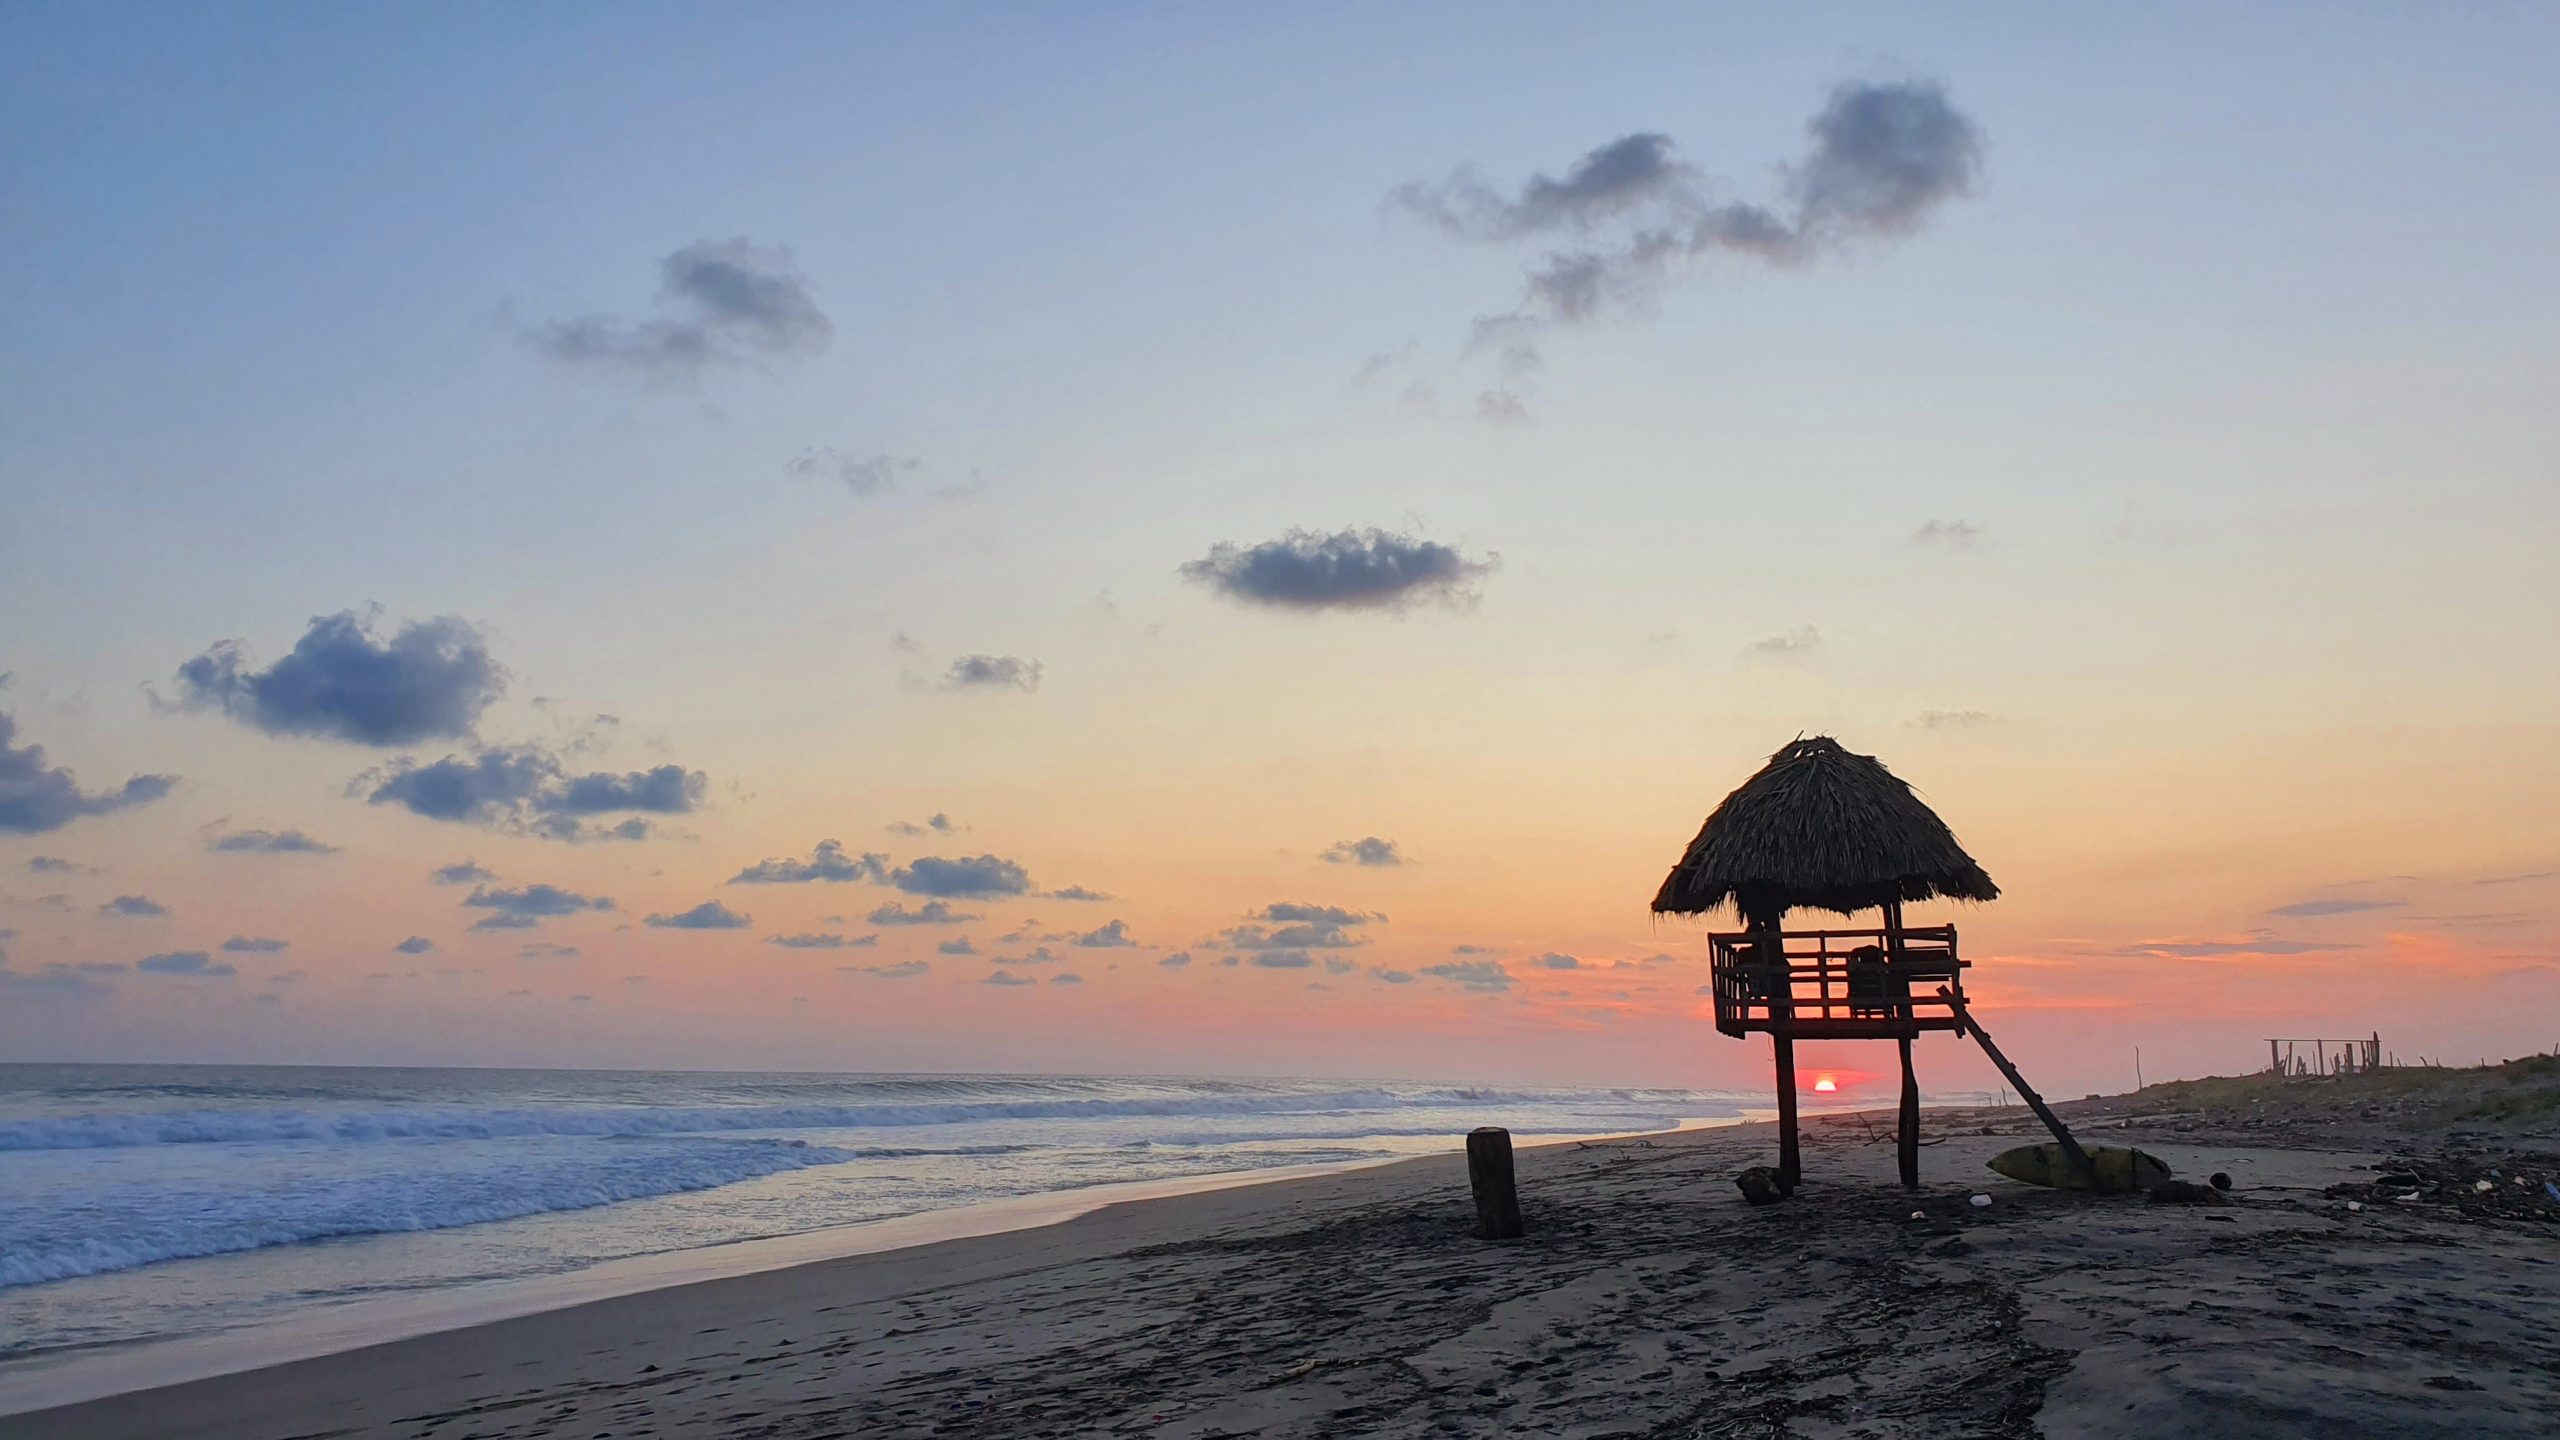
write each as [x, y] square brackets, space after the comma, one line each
[1489, 1173]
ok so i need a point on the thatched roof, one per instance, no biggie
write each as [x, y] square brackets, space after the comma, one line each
[1821, 829]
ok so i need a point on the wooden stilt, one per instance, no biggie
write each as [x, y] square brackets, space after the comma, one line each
[2071, 1150]
[1907, 1139]
[1790, 1163]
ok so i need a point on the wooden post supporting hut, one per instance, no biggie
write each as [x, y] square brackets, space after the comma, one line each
[1822, 829]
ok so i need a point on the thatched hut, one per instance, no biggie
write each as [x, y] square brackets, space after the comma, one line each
[1820, 828]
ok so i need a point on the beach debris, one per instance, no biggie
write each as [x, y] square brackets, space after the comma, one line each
[2483, 1186]
[2218, 1180]
[1307, 1366]
[2113, 1169]
[1919, 1214]
[2450, 1382]
[2355, 1205]
[2185, 1192]
[1763, 1186]
[1981, 1202]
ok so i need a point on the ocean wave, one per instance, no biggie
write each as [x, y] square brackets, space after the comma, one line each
[379, 1205]
[202, 1127]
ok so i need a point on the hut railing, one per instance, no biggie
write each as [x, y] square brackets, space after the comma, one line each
[1827, 992]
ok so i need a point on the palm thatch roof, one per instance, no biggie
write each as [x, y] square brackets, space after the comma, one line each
[1820, 829]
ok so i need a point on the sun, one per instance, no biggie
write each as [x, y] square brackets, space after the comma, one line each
[1826, 1085]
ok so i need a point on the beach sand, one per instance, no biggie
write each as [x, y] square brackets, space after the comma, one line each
[1647, 1301]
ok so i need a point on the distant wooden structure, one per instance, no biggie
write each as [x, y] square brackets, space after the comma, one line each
[1819, 828]
[2324, 1057]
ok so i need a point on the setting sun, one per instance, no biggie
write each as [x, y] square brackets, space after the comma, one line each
[1826, 1085]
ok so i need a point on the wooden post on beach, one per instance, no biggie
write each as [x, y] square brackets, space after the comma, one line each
[1906, 1141]
[1770, 951]
[1489, 1174]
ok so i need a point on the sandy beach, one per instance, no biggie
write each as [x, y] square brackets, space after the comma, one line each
[2359, 1281]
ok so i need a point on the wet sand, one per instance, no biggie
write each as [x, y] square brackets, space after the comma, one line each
[1647, 1301]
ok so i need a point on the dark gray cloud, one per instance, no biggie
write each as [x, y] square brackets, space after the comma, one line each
[935, 824]
[1177, 960]
[466, 872]
[820, 940]
[974, 877]
[430, 681]
[1294, 926]
[269, 842]
[1287, 911]
[53, 980]
[1474, 950]
[861, 474]
[960, 946]
[2260, 943]
[36, 798]
[1949, 534]
[992, 672]
[530, 903]
[1370, 569]
[1484, 976]
[529, 790]
[1076, 892]
[185, 962]
[1066, 977]
[828, 862]
[1880, 159]
[1368, 850]
[1951, 720]
[1107, 937]
[253, 945]
[902, 970]
[1555, 961]
[931, 912]
[134, 907]
[709, 915]
[545, 950]
[2305, 909]
[1391, 975]
[1007, 977]
[416, 945]
[734, 303]
[56, 865]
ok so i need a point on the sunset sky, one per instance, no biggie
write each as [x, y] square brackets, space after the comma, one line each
[1284, 519]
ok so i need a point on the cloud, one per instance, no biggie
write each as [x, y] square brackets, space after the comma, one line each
[1632, 217]
[1502, 405]
[1793, 645]
[1076, 892]
[1371, 569]
[960, 946]
[1177, 960]
[1040, 955]
[1369, 850]
[1390, 975]
[1951, 720]
[992, 672]
[2306, 909]
[184, 962]
[2259, 943]
[1951, 534]
[134, 907]
[932, 912]
[1336, 965]
[1474, 950]
[709, 915]
[735, 304]
[978, 877]
[545, 950]
[1108, 937]
[1554, 961]
[269, 842]
[1482, 976]
[461, 873]
[253, 945]
[529, 790]
[1300, 911]
[52, 980]
[429, 681]
[1007, 977]
[2526, 877]
[815, 940]
[935, 824]
[36, 798]
[902, 970]
[526, 906]
[1066, 977]
[55, 865]
[861, 474]
[416, 945]
[827, 862]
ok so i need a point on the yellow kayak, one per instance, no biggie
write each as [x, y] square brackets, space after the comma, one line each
[2121, 1169]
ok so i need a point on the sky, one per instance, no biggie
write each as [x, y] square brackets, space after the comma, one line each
[1212, 540]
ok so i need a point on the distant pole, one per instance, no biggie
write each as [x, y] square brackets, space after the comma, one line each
[2137, 1067]
[1489, 1175]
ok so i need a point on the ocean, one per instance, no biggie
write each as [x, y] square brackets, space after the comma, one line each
[141, 1202]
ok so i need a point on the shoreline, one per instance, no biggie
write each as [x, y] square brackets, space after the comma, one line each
[52, 1380]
